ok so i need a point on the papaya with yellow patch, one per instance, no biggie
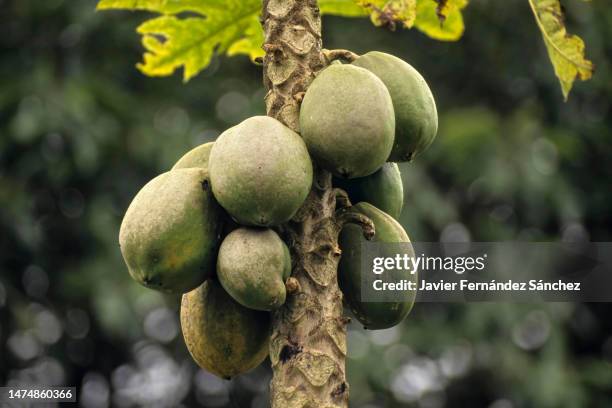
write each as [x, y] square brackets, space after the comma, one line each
[222, 336]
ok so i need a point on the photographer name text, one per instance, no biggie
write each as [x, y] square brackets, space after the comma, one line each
[466, 285]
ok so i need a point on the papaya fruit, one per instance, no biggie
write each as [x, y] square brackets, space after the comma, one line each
[223, 337]
[260, 172]
[383, 314]
[347, 121]
[383, 189]
[196, 157]
[416, 117]
[252, 266]
[170, 232]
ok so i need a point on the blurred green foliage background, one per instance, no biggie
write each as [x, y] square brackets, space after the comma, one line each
[81, 130]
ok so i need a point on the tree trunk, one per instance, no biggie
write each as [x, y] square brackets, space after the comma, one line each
[308, 343]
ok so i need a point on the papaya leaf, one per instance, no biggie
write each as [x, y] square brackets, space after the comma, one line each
[388, 13]
[172, 41]
[441, 19]
[566, 52]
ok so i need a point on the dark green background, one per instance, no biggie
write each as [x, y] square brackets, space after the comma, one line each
[81, 130]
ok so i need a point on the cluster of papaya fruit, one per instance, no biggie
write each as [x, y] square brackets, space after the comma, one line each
[203, 228]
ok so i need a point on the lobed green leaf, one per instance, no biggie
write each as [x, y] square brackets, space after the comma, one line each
[172, 41]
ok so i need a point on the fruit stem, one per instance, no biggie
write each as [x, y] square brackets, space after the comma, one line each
[342, 198]
[349, 216]
[344, 55]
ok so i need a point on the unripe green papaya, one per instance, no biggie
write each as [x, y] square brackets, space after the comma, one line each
[196, 157]
[347, 121]
[416, 117]
[260, 171]
[170, 232]
[374, 315]
[252, 265]
[383, 189]
[223, 337]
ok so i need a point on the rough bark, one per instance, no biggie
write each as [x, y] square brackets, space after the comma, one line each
[308, 343]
